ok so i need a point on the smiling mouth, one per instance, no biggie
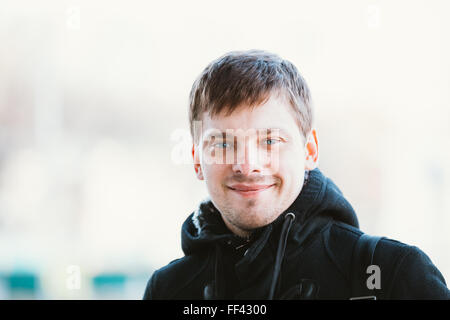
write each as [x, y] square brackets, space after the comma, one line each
[250, 191]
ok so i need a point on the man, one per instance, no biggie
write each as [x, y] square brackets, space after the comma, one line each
[273, 226]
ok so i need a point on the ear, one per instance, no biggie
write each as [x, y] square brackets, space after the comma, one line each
[196, 158]
[312, 151]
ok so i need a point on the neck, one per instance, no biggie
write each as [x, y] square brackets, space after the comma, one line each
[236, 230]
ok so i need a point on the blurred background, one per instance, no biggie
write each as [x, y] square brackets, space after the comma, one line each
[95, 175]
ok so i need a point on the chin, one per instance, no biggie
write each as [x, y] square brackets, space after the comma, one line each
[256, 222]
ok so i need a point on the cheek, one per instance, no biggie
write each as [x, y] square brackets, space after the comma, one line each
[291, 167]
[214, 175]
[288, 160]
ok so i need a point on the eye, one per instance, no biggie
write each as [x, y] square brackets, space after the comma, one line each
[271, 141]
[222, 145]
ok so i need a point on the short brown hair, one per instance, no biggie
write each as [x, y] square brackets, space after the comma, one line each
[248, 77]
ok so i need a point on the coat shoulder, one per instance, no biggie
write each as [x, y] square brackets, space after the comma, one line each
[406, 271]
[340, 240]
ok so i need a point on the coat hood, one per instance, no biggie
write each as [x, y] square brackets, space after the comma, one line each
[319, 197]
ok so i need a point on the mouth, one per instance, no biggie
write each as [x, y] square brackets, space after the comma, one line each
[249, 190]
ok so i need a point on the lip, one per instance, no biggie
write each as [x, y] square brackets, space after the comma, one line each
[250, 190]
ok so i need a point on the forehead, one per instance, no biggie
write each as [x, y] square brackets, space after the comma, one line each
[276, 113]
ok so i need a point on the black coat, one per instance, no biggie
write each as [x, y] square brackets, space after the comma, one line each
[311, 255]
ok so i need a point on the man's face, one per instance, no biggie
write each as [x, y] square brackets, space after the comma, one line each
[252, 174]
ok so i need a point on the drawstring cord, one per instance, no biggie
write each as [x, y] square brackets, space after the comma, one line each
[289, 219]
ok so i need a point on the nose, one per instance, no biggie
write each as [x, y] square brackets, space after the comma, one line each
[246, 159]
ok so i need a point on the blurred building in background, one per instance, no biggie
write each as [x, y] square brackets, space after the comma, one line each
[95, 178]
